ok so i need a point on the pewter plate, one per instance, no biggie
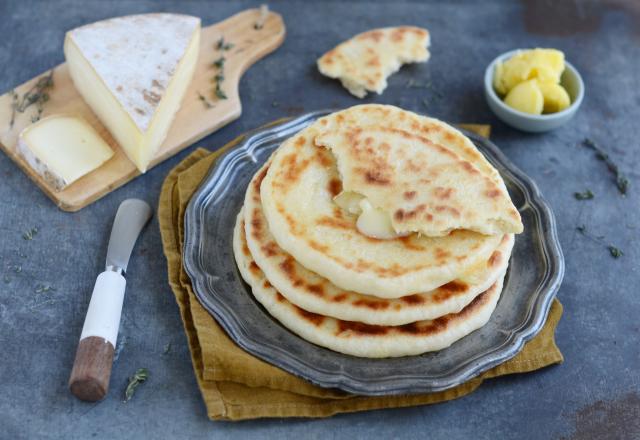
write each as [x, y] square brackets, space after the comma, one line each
[535, 273]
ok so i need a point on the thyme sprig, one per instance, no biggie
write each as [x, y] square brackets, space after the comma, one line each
[140, 376]
[37, 95]
[613, 250]
[584, 195]
[622, 182]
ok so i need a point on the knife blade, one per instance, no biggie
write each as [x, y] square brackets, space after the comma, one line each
[94, 357]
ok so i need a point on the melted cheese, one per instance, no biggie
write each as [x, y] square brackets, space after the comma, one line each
[372, 222]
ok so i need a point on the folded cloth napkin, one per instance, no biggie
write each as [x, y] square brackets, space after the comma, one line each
[236, 385]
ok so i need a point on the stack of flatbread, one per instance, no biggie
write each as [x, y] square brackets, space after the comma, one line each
[377, 232]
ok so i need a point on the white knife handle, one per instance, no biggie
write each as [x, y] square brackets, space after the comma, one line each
[94, 358]
[103, 315]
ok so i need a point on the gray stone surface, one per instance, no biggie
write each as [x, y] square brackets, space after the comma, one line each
[594, 394]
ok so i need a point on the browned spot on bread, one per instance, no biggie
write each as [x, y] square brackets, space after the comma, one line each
[335, 187]
[376, 36]
[253, 267]
[324, 157]
[495, 259]
[335, 223]
[288, 267]
[428, 217]
[316, 289]
[266, 284]
[293, 168]
[412, 166]
[279, 297]
[408, 195]
[245, 249]
[313, 318]
[373, 62]
[409, 243]
[443, 193]
[361, 328]
[450, 209]
[469, 168]
[300, 141]
[397, 35]
[256, 225]
[441, 254]
[317, 246]
[258, 181]
[401, 214]
[270, 249]
[493, 193]
[377, 177]
[373, 304]
[454, 286]
[413, 299]
[339, 298]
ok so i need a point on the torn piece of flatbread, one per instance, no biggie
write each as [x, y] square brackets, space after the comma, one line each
[364, 62]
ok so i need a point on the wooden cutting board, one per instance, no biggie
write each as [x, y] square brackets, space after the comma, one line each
[192, 122]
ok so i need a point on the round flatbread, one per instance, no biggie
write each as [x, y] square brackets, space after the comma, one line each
[359, 339]
[317, 294]
[297, 198]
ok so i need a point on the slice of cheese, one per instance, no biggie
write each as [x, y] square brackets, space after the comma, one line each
[133, 72]
[62, 148]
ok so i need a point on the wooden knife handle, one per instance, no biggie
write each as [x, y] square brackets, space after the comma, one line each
[92, 369]
[94, 358]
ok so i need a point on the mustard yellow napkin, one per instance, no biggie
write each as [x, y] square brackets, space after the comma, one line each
[235, 385]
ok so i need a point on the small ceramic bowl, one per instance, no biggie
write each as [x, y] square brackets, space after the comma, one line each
[570, 80]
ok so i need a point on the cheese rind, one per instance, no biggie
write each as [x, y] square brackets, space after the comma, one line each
[62, 148]
[133, 72]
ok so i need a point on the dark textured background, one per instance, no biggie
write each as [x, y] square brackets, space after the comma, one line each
[594, 394]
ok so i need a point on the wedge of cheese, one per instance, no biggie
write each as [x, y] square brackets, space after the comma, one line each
[133, 72]
[62, 148]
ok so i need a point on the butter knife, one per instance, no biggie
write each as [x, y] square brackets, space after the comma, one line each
[94, 357]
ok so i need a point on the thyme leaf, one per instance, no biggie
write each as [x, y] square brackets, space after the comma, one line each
[584, 195]
[222, 45]
[622, 182]
[30, 233]
[219, 63]
[615, 252]
[141, 375]
[220, 93]
[44, 288]
[207, 104]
